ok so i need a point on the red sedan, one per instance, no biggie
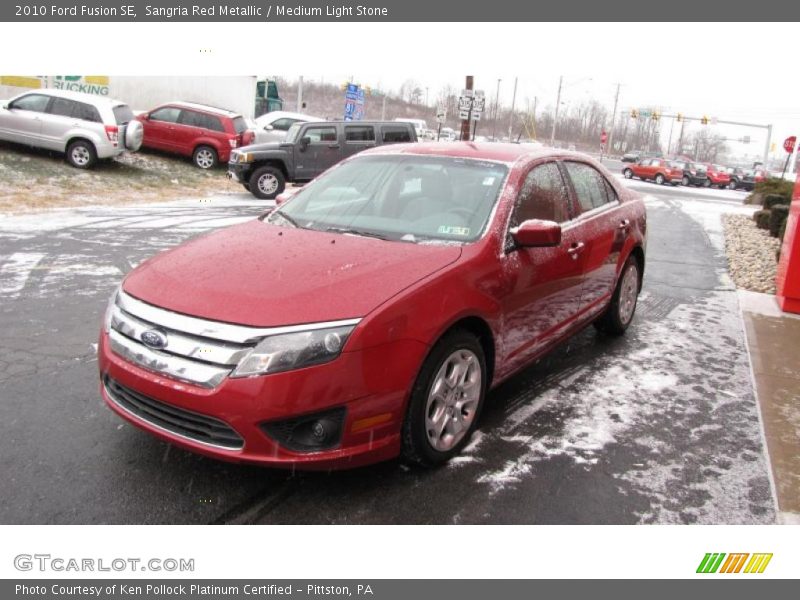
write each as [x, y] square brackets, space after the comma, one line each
[718, 176]
[368, 316]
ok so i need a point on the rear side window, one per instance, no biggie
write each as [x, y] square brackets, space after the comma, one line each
[201, 120]
[32, 102]
[590, 186]
[359, 133]
[86, 112]
[283, 124]
[239, 125]
[168, 114]
[61, 107]
[543, 196]
[394, 134]
[122, 114]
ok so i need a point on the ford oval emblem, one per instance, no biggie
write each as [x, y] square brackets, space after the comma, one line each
[152, 338]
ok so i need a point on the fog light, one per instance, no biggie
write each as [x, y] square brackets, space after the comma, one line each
[309, 433]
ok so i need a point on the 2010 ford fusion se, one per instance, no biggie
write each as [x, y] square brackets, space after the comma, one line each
[368, 316]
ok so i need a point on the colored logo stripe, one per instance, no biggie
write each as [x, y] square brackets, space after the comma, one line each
[733, 564]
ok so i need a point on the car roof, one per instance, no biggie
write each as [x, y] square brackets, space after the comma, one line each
[204, 107]
[77, 96]
[282, 114]
[493, 151]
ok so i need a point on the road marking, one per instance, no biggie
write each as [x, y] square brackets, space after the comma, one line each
[15, 272]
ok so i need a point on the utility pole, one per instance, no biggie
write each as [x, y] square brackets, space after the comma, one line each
[383, 108]
[680, 138]
[426, 96]
[496, 108]
[766, 146]
[465, 123]
[669, 143]
[299, 94]
[555, 116]
[613, 121]
[513, 101]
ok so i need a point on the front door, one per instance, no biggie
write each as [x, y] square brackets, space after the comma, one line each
[22, 122]
[542, 285]
[159, 128]
[322, 151]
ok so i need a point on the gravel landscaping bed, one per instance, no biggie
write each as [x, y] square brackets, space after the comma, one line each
[751, 254]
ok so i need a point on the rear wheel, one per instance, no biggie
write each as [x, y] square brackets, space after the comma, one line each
[732, 185]
[628, 174]
[267, 182]
[619, 313]
[446, 400]
[685, 181]
[81, 154]
[707, 183]
[660, 179]
[205, 157]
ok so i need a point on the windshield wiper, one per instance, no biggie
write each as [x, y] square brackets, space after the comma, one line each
[286, 218]
[360, 232]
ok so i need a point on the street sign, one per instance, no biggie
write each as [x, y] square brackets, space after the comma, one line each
[478, 104]
[441, 114]
[788, 143]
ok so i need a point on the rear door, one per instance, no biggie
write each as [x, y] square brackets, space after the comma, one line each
[602, 229]
[22, 122]
[190, 127]
[59, 120]
[543, 284]
[322, 151]
[159, 128]
[358, 138]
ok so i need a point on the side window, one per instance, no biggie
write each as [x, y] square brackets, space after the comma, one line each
[211, 123]
[543, 196]
[321, 135]
[283, 124]
[392, 134]
[32, 102]
[61, 107]
[86, 112]
[168, 114]
[359, 133]
[590, 186]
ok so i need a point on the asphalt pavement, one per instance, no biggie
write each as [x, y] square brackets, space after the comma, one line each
[659, 426]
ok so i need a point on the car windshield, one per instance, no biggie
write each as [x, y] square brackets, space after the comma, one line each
[698, 167]
[399, 197]
[293, 132]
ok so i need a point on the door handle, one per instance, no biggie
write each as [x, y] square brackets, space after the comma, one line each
[575, 249]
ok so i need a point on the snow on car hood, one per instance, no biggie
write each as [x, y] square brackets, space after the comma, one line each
[264, 275]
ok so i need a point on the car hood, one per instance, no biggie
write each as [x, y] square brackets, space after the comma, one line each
[261, 147]
[265, 276]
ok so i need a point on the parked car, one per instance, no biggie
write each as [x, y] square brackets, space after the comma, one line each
[637, 155]
[419, 125]
[369, 315]
[205, 133]
[693, 173]
[737, 175]
[84, 127]
[309, 149]
[659, 170]
[751, 178]
[717, 176]
[447, 134]
[272, 127]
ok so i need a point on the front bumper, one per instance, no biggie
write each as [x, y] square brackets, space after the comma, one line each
[373, 395]
[696, 179]
[240, 172]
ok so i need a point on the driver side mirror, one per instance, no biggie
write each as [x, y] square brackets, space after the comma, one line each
[4, 104]
[304, 142]
[537, 234]
[268, 128]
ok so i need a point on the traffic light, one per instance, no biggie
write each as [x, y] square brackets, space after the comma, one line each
[634, 113]
[679, 117]
[656, 115]
[704, 120]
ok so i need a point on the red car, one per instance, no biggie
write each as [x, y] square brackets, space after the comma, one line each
[717, 175]
[369, 315]
[659, 170]
[205, 133]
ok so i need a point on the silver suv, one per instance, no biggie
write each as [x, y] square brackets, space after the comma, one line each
[84, 127]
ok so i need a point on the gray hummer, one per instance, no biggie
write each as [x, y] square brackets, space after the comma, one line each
[308, 150]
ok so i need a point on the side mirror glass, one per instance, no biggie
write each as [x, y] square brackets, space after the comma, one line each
[537, 234]
[268, 128]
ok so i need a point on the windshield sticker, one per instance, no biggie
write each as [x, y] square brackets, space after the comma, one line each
[488, 181]
[451, 230]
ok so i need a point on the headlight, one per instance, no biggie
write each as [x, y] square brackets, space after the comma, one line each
[112, 302]
[293, 351]
[244, 157]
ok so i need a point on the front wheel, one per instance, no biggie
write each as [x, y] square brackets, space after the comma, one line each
[267, 182]
[732, 185]
[446, 400]
[707, 183]
[660, 179]
[685, 181]
[628, 174]
[619, 314]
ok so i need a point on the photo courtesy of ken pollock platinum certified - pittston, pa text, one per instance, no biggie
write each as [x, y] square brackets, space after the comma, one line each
[193, 10]
[193, 590]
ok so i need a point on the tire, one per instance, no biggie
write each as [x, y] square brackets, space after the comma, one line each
[434, 404]
[205, 157]
[732, 185]
[246, 186]
[267, 182]
[660, 179]
[685, 181]
[81, 154]
[619, 314]
[628, 174]
[707, 183]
